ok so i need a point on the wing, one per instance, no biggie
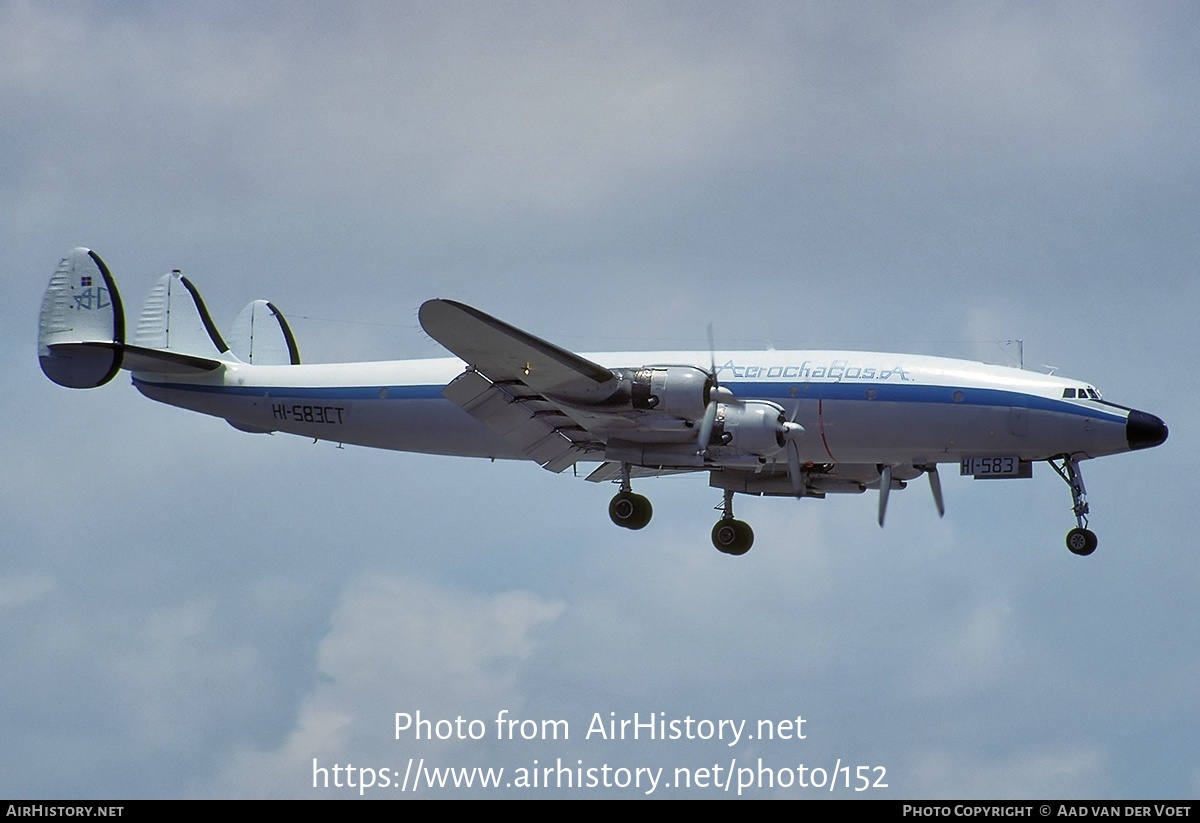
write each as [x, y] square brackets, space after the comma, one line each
[506, 353]
[510, 381]
[558, 408]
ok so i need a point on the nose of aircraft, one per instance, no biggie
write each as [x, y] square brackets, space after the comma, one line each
[1144, 430]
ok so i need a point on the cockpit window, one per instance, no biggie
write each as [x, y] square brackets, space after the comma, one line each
[1069, 393]
[1092, 393]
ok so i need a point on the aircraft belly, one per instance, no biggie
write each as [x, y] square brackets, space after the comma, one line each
[1051, 434]
[427, 426]
[889, 432]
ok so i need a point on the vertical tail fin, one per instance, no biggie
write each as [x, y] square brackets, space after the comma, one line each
[175, 319]
[81, 330]
[261, 335]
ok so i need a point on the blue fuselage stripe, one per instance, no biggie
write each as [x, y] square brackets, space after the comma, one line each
[781, 392]
[900, 393]
[307, 392]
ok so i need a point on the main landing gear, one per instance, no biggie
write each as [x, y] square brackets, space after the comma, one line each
[633, 511]
[729, 535]
[1080, 540]
[629, 510]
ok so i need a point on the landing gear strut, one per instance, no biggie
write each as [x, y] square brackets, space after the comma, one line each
[1080, 540]
[629, 510]
[731, 536]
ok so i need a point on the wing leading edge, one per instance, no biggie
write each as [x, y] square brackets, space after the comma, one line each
[505, 353]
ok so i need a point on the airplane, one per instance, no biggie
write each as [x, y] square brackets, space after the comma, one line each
[767, 423]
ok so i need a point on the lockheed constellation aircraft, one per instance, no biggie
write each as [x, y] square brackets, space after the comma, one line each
[779, 423]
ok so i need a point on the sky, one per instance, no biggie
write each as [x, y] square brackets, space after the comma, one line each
[191, 611]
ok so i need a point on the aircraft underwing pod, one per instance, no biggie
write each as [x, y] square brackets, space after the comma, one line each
[799, 424]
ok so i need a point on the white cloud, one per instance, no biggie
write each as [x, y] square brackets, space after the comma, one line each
[816, 172]
[397, 644]
[19, 590]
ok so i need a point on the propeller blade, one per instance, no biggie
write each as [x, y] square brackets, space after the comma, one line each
[706, 425]
[885, 488]
[793, 466]
[935, 485]
[712, 355]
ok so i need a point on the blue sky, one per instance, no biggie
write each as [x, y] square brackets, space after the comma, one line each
[193, 611]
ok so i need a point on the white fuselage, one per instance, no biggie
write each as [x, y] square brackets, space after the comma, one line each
[856, 407]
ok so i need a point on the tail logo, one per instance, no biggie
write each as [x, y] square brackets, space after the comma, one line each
[93, 297]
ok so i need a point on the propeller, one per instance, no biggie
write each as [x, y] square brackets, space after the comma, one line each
[717, 394]
[885, 488]
[707, 422]
[935, 485]
[791, 434]
[793, 464]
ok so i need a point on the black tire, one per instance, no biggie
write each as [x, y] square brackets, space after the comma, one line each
[1081, 541]
[733, 537]
[630, 511]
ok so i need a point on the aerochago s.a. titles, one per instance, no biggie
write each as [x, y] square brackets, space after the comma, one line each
[778, 423]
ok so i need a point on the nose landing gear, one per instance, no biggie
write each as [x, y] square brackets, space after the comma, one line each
[1080, 540]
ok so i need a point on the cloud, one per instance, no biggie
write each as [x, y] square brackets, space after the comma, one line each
[19, 590]
[398, 644]
[196, 609]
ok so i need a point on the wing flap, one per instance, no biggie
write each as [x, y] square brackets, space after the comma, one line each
[532, 424]
[611, 471]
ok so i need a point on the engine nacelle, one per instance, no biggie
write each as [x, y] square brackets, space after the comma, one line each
[754, 427]
[676, 391]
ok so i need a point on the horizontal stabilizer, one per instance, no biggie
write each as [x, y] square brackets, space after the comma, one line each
[133, 358]
[81, 329]
[261, 335]
[503, 352]
[167, 362]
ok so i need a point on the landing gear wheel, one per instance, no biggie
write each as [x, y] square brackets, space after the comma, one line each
[1081, 541]
[630, 511]
[732, 536]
